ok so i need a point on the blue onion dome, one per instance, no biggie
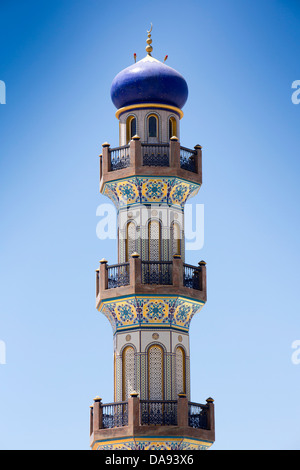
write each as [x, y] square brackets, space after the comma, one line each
[149, 81]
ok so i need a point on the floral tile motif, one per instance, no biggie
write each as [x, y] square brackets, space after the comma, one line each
[154, 190]
[126, 313]
[179, 192]
[156, 311]
[109, 192]
[127, 192]
[184, 313]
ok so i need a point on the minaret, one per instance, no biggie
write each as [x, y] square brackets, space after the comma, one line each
[151, 295]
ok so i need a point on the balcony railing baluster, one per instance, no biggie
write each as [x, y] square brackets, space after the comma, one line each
[119, 158]
[115, 415]
[152, 272]
[160, 412]
[198, 415]
[118, 275]
[157, 272]
[155, 412]
[188, 159]
[192, 276]
[155, 154]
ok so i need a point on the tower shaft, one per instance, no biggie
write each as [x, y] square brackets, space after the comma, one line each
[151, 295]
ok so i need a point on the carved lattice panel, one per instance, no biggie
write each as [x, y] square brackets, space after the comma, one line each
[175, 239]
[128, 372]
[180, 371]
[154, 240]
[156, 376]
[118, 379]
[130, 241]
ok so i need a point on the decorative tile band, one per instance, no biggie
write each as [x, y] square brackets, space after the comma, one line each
[150, 311]
[152, 443]
[150, 190]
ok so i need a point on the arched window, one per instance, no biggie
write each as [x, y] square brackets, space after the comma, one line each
[152, 126]
[128, 372]
[172, 127]
[175, 239]
[131, 126]
[155, 372]
[154, 240]
[130, 240]
[180, 371]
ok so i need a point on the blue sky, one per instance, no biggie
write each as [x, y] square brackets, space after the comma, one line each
[58, 59]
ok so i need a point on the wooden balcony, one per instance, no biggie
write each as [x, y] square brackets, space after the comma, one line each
[142, 159]
[141, 418]
[138, 277]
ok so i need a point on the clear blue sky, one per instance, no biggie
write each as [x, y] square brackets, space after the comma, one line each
[58, 59]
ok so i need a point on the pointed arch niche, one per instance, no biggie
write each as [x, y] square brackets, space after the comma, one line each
[155, 372]
[172, 127]
[175, 238]
[154, 240]
[152, 128]
[130, 240]
[180, 370]
[128, 372]
[131, 127]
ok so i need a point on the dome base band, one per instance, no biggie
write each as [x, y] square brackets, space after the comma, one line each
[151, 106]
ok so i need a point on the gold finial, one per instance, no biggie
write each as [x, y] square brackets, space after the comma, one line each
[149, 48]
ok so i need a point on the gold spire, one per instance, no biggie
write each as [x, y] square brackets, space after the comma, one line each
[149, 48]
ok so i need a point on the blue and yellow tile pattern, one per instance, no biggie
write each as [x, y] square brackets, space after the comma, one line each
[150, 311]
[152, 443]
[150, 190]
